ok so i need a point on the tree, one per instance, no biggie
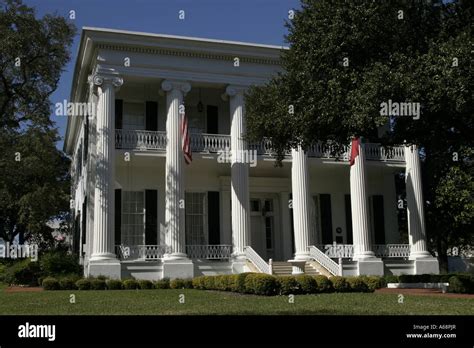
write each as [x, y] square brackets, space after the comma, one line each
[34, 179]
[346, 58]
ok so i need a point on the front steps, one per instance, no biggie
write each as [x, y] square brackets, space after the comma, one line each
[281, 268]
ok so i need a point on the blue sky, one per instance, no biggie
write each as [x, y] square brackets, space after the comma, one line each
[259, 21]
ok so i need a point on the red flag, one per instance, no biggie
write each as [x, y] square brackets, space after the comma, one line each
[354, 150]
[185, 140]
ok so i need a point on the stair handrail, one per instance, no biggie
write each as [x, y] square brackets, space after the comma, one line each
[325, 261]
[257, 260]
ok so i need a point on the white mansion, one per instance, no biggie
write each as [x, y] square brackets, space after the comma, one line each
[141, 211]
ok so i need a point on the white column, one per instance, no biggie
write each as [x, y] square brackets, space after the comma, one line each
[239, 172]
[174, 210]
[416, 221]
[359, 208]
[301, 203]
[107, 81]
[285, 225]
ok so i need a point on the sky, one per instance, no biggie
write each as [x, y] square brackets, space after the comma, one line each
[258, 21]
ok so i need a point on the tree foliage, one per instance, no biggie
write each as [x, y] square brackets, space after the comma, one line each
[34, 183]
[346, 58]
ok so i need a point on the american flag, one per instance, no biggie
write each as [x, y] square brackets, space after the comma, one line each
[185, 140]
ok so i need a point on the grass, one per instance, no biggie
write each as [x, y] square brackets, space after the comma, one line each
[199, 302]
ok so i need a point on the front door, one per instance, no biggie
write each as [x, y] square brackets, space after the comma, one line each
[262, 226]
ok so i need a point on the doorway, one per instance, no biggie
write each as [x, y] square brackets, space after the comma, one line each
[263, 225]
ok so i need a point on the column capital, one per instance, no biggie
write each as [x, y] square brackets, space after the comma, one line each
[170, 85]
[233, 90]
[103, 76]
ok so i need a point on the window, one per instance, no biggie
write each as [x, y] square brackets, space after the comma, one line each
[195, 218]
[133, 218]
[133, 116]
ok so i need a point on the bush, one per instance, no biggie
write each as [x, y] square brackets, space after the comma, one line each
[98, 284]
[56, 263]
[130, 284]
[239, 282]
[68, 282]
[391, 279]
[209, 283]
[181, 284]
[114, 284]
[373, 282]
[225, 282]
[340, 284]
[307, 284]
[51, 283]
[24, 272]
[83, 284]
[288, 285]
[323, 284]
[461, 284]
[198, 283]
[162, 284]
[357, 284]
[261, 284]
[145, 284]
[408, 278]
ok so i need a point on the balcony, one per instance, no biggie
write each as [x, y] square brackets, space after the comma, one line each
[141, 140]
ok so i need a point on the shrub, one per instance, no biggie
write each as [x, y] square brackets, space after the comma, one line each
[307, 284]
[462, 284]
[145, 284]
[69, 282]
[357, 284]
[225, 282]
[261, 284]
[130, 284]
[288, 285]
[391, 279]
[323, 284]
[444, 278]
[198, 283]
[408, 278]
[340, 284]
[24, 272]
[239, 282]
[56, 263]
[209, 283]
[50, 283]
[162, 284]
[373, 282]
[98, 284]
[114, 284]
[83, 284]
[181, 284]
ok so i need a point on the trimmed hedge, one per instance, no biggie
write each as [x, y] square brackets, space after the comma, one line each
[98, 284]
[68, 282]
[145, 284]
[307, 284]
[181, 283]
[130, 284]
[462, 284]
[83, 284]
[373, 282]
[356, 284]
[340, 284]
[288, 285]
[114, 284]
[323, 284]
[261, 284]
[51, 283]
[162, 284]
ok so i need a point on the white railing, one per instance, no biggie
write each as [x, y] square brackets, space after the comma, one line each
[202, 142]
[392, 250]
[141, 252]
[379, 153]
[347, 251]
[327, 150]
[257, 260]
[140, 139]
[209, 252]
[325, 261]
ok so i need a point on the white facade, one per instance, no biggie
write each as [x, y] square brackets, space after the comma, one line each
[141, 211]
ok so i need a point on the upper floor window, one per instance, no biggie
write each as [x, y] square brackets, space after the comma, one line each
[133, 115]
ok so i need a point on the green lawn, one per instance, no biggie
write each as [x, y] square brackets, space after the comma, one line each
[209, 302]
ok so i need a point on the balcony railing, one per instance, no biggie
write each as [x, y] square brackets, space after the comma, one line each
[344, 251]
[212, 143]
[209, 252]
[156, 252]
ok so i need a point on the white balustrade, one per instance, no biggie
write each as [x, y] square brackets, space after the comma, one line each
[202, 142]
[209, 252]
[257, 260]
[392, 250]
[325, 261]
[376, 152]
[140, 139]
[141, 252]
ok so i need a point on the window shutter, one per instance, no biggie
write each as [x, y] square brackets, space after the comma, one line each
[151, 221]
[118, 113]
[151, 116]
[326, 218]
[118, 216]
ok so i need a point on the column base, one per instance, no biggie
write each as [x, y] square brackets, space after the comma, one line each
[415, 255]
[178, 268]
[297, 266]
[103, 257]
[239, 265]
[426, 265]
[175, 256]
[301, 256]
[370, 266]
[109, 268]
